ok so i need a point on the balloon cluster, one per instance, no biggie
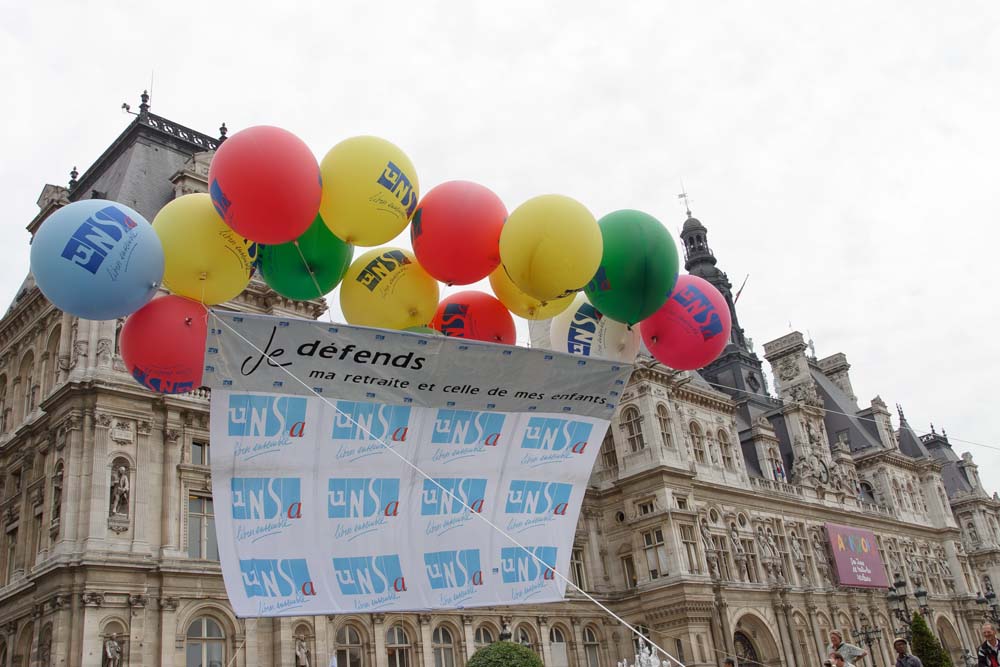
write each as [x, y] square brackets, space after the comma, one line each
[271, 206]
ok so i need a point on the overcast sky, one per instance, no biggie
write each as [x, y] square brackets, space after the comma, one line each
[843, 154]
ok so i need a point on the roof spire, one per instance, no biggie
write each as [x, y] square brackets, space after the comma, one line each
[684, 195]
[144, 106]
[933, 432]
[223, 130]
[72, 178]
[902, 417]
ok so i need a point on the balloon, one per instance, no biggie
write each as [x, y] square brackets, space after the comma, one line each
[386, 288]
[265, 184]
[475, 315]
[97, 259]
[163, 344]
[520, 303]
[691, 329]
[550, 246]
[456, 232]
[582, 329]
[370, 190]
[206, 260]
[638, 268]
[315, 258]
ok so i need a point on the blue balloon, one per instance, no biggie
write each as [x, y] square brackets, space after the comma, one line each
[97, 259]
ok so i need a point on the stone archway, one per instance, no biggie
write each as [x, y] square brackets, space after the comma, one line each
[754, 643]
[949, 639]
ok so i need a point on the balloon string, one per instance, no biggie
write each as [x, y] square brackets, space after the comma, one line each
[319, 291]
[429, 478]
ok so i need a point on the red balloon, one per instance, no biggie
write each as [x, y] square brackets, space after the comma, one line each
[265, 184]
[691, 329]
[475, 315]
[163, 344]
[456, 232]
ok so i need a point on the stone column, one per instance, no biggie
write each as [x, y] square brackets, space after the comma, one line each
[168, 630]
[72, 453]
[92, 640]
[580, 654]
[96, 429]
[470, 635]
[793, 640]
[778, 605]
[426, 643]
[378, 635]
[543, 639]
[170, 541]
[324, 641]
[251, 648]
[811, 610]
[142, 488]
[136, 630]
[724, 626]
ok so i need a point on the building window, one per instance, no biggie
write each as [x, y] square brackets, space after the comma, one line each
[350, 652]
[558, 647]
[632, 424]
[656, 553]
[36, 536]
[775, 465]
[663, 419]
[397, 646]
[645, 507]
[576, 567]
[697, 442]
[202, 542]
[690, 548]
[444, 648]
[484, 636]
[525, 637]
[682, 503]
[206, 644]
[750, 549]
[726, 448]
[200, 453]
[628, 571]
[721, 544]
[608, 454]
[591, 647]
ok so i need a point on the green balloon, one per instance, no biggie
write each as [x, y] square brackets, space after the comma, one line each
[308, 267]
[424, 330]
[638, 268]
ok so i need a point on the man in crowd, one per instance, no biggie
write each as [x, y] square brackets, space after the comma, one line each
[990, 648]
[903, 657]
[852, 654]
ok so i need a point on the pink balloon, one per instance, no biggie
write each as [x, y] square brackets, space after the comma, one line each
[691, 329]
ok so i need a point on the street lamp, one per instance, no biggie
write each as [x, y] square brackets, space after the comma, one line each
[901, 610]
[868, 635]
[991, 610]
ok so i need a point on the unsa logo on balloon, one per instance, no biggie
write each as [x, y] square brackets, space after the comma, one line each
[94, 239]
[395, 181]
[453, 320]
[380, 267]
[219, 200]
[701, 309]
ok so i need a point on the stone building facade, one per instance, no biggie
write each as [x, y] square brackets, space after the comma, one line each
[702, 525]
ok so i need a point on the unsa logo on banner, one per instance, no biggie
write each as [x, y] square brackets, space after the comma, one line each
[266, 416]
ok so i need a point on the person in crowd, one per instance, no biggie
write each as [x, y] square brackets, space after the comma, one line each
[903, 656]
[989, 650]
[838, 660]
[729, 662]
[852, 654]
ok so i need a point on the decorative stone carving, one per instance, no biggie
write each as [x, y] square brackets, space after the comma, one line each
[104, 420]
[121, 431]
[711, 555]
[169, 604]
[119, 490]
[171, 435]
[92, 599]
[57, 488]
[301, 652]
[112, 652]
[104, 352]
[144, 427]
[137, 601]
[58, 601]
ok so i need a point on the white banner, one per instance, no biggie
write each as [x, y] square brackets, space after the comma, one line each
[315, 514]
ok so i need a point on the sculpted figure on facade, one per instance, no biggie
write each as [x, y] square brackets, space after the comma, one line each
[112, 652]
[119, 491]
[711, 555]
[301, 652]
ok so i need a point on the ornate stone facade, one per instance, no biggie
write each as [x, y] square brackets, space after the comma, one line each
[702, 526]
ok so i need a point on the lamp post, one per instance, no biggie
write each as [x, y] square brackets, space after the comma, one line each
[901, 610]
[868, 635]
[988, 603]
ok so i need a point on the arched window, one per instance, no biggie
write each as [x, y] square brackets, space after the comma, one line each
[52, 361]
[727, 450]
[397, 646]
[632, 424]
[27, 375]
[206, 644]
[350, 651]
[444, 647]
[484, 636]
[591, 647]
[526, 637]
[697, 442]
[558, 648]
[867, 492]
[663, 419]
[608, 454]
[3, 405]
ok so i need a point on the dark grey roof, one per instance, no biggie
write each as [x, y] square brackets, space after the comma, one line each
[841, 416]
[952, 474]
[909, 442]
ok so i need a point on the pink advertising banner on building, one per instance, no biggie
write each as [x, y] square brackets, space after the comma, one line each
[856, 557]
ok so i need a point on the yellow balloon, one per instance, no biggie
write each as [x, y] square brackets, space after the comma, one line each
[387, 288]
[520, 303]
[370, 190]
[551, 246]
[205, 260]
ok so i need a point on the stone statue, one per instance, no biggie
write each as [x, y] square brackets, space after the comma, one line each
[301, 653]
[112, 652]
[57, 486]
[796, 548]
[765, 545]
[119, 492]
[734, 537]
[706, 537]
